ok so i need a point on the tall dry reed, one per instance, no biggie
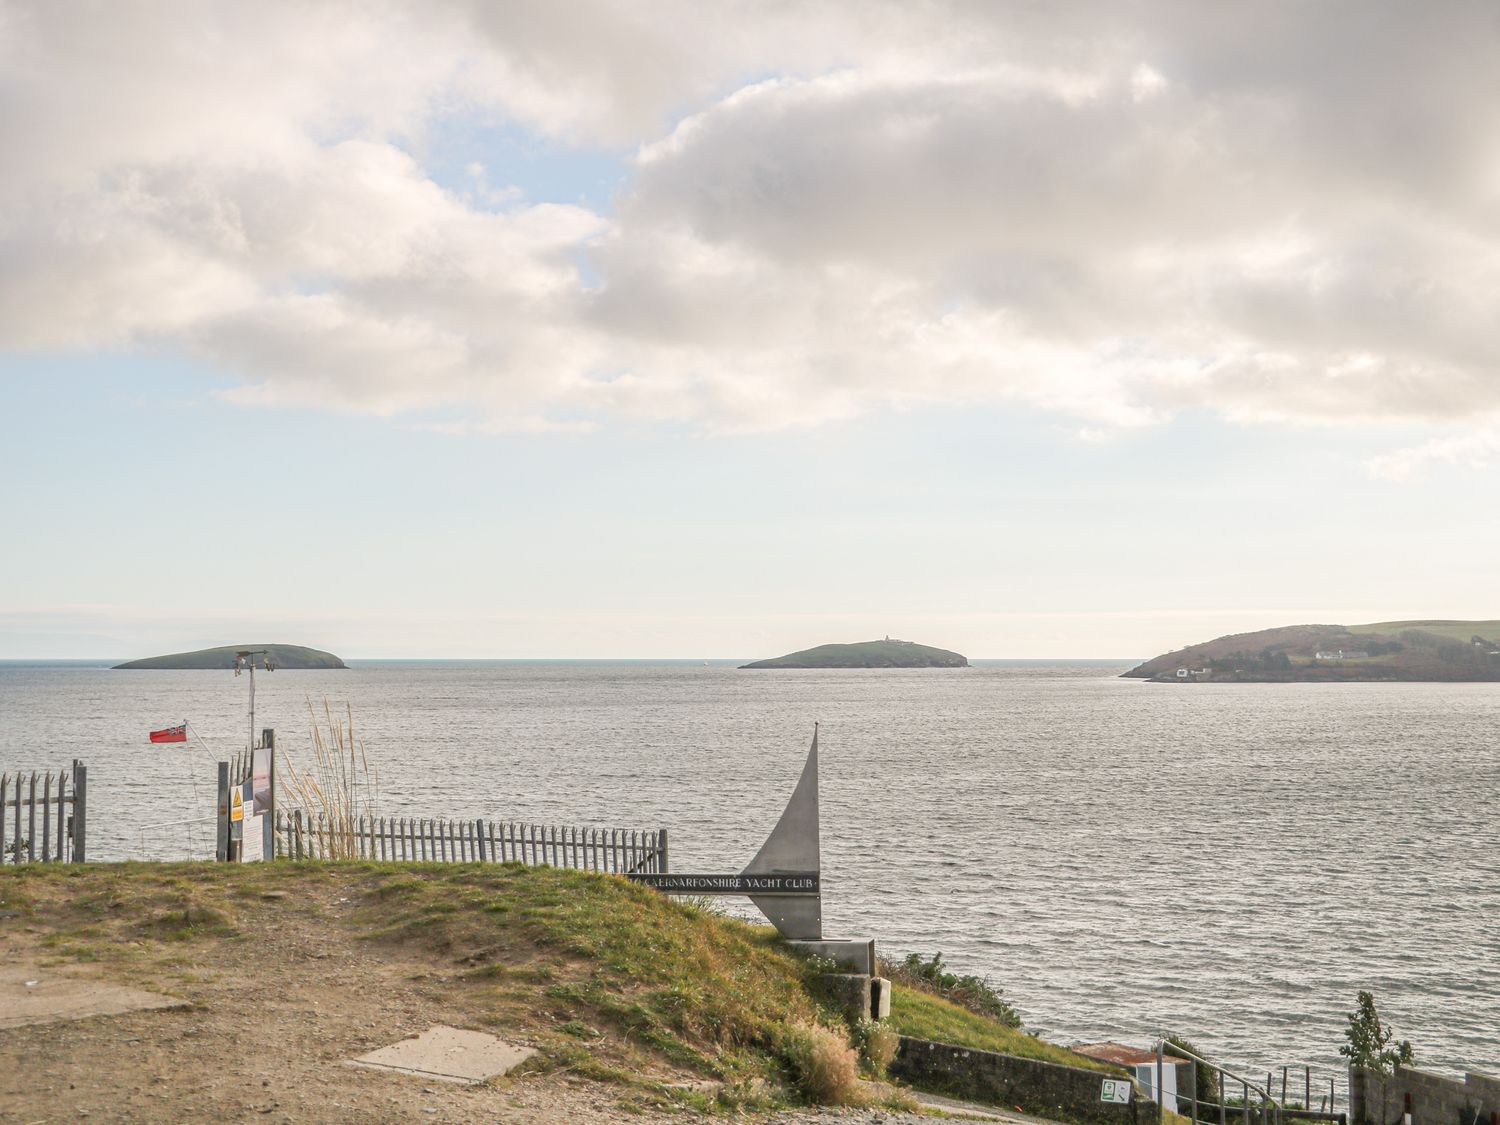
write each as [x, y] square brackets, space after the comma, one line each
[339, 787]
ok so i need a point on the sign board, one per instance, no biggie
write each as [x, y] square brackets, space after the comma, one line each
[1115, 1090]
[252, 849]
[788, 883]
[260, 778]
[236, 805]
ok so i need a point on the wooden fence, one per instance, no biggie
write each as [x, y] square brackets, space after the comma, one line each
[415, 840]
[60, 807]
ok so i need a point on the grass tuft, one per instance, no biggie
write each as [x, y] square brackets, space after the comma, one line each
[823, 1065]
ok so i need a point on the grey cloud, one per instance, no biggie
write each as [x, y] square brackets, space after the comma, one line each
[1285, 211]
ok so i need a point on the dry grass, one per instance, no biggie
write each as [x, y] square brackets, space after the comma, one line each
[339, 786]
[823, 1064]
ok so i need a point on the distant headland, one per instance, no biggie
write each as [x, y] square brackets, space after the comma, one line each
[1385, 650]
[280, 656]
[885, 653]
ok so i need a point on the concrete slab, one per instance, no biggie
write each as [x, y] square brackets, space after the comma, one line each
[29, 995]
[449, 1054]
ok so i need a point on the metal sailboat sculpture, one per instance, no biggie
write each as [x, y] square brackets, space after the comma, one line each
[793, 848]
[784, 880]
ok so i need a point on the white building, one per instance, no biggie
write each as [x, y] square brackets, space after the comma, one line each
[1142, 1067]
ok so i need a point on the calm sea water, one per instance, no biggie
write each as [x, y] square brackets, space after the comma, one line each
[1231, 862]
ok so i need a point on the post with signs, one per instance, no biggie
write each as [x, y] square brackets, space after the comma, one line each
[254, 804]
[260, 801]
[236, 823]
[221, 833]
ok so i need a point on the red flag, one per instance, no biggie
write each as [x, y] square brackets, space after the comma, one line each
[171, 734]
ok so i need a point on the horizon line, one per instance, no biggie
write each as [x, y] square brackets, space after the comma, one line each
[532, 659]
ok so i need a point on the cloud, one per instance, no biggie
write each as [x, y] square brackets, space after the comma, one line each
[1474, 450]
[1289, 216]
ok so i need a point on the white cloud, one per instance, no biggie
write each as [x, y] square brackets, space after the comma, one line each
[1473, 450]
[1114, 215]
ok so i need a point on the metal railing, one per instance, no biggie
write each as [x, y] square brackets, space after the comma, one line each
[192, 838]
[1254, 1106]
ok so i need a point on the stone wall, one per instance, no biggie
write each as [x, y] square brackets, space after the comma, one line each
[1435, 1099]
[1064, 1093]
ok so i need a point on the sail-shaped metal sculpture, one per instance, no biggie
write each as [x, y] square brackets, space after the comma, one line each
[784, 879]
[792, 849]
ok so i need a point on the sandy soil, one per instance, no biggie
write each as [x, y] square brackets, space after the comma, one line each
[274, 1013]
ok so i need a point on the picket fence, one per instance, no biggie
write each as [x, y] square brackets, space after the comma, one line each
[419, 840]
[60, 807]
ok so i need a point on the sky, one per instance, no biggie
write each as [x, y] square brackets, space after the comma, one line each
[612, 329]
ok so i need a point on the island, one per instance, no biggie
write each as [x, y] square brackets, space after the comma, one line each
[280, 656]
[887, 653]
[1436, 650]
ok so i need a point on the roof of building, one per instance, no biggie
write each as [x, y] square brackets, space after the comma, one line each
[1120, 1055]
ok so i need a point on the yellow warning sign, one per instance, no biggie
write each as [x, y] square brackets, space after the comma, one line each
[236, 806]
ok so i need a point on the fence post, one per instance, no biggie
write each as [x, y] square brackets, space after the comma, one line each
[268, 740]
[479, 838]
[47, 815]
[662, 838]
[80, 811]
[31, 826]
[1161, 1102]
[62, 796]
[221, 827]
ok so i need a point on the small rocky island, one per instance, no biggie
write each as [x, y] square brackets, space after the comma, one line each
[887, 653]
[280, 656]
[1411, 651]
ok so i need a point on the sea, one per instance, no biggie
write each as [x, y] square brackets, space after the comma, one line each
[1232, 863]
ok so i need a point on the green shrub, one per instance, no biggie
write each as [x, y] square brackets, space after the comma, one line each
[1372, 1043]
[877, 1043]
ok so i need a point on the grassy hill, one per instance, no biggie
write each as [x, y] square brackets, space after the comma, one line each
[867, 654]
[281, 656]
[1445, 650]
[288, 968]
[1452, 630]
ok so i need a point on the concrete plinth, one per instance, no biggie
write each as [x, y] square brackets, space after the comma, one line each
[854, 956]
[851, 992]
[861, 997]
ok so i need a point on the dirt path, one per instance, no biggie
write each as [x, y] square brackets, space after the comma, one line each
[269, 1027]
[279, 992]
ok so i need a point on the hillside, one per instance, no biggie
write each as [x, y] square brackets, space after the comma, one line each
[885, 653]
[640, 1006]
[281, 656]
[1384, 650]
